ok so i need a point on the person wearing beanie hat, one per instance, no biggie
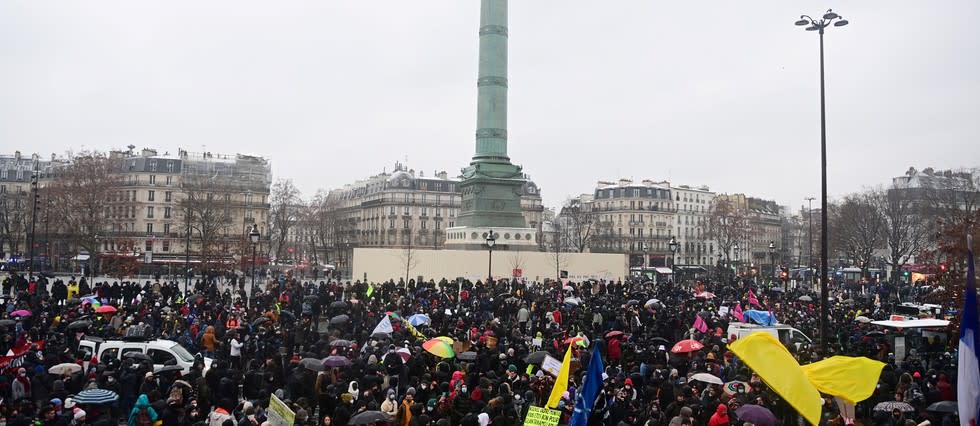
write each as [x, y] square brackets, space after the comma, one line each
[79, 417]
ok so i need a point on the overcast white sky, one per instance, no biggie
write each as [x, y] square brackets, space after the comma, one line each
[719, 93]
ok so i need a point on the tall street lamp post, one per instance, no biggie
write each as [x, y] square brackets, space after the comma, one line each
[673, 250]
[735, 252]
[34, 177]
[253, 235]
[809, 214]
[819, 25]
[772, 259]
[490, 242]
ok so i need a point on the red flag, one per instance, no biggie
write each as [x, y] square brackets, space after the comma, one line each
[699, 324]
[737, 313]
[752, 299]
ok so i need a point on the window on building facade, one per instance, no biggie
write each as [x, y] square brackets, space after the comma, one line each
[391, 224]
[168, 196]
[166, 212]
[149, 228]
[423, 224]
[166, 245]
[166, 228]
[149, 212]
[148, 246]
[405, 223]
[150, 195]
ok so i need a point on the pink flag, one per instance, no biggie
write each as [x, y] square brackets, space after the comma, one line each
[699, 324]
[737, 313]
[752, 299]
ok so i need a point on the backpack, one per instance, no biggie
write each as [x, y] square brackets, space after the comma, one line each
[143, 418]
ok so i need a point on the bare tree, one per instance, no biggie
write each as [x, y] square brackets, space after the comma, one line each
[409, 259]
[15, 220]
[82, 191]
[517, 260]
[580, 223]
[558, 249]
[284, 212]
[727, 225]
[905, 231]
[206, 208]
[857, 227]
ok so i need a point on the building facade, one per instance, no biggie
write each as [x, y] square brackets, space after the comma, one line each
[16, 205]
[695, 249]
[161, 210]
[634, 218]
[402, 209]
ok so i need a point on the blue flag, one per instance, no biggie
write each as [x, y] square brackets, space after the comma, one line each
[590, 390]
[968, 371]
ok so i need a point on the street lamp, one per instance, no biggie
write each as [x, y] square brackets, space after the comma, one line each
[809, 264]
[772, 258]
[34, 177]
[646, 249]
[735, 251]
[253, 235]
[819, 26]
[490, 242]
[673, 249]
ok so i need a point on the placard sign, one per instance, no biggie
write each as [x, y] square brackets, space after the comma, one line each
[537, 416]
[551, 365]
[279, 413]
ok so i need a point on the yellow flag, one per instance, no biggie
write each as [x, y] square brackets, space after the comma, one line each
[777, 367]
[849, 378]
[561, 383]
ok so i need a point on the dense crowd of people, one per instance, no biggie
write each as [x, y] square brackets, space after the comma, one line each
[318, 348]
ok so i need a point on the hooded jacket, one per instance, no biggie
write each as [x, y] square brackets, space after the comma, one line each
[720, 417]
[142, 403]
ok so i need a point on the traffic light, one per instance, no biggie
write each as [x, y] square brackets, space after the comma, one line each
[942, 268]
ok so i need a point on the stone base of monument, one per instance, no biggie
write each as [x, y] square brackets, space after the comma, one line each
[475, 238]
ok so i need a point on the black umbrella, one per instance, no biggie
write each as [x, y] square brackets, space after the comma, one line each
[944, 407]
[339, 319]
[380, 336]
[7, 322]
[660, 340]
[368, 417]
[259, 321]
[536, 357]
[137, 355]
[288, 314]
[341, 343]
[311, 298]
[467, 356]
[338, 305]
[632, 302]
[778, 289]
[169, 369]
[80, 325]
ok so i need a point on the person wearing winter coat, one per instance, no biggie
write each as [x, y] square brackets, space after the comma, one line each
[390, 404]
[143, 413]
[720, 417]
[21, 387]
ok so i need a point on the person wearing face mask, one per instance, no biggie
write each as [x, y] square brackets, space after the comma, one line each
[390, 404]
[461, 404]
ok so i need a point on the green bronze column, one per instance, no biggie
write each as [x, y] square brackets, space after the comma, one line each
[491, 110]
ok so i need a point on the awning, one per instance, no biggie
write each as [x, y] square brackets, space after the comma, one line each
[690, 268]
[663, 270]
[81, 257]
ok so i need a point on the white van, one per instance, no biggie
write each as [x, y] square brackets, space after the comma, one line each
[787, 335]
[161, 352]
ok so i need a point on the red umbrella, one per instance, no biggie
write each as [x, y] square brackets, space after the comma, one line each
[614, 333]
[106, 309]
[685, 346]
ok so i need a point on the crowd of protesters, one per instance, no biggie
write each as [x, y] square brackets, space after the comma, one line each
[261, 345]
